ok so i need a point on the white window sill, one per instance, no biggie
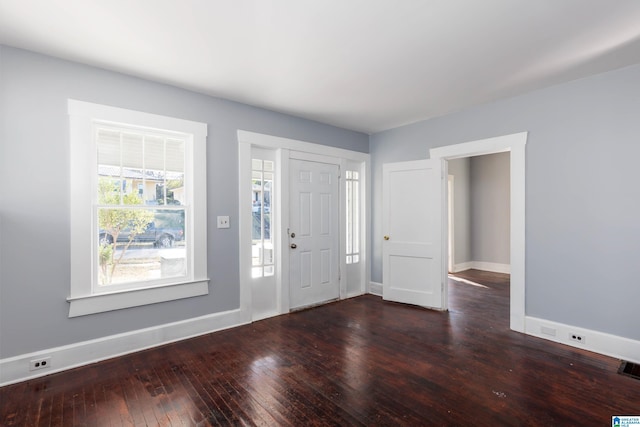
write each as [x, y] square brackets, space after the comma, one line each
[98, 303]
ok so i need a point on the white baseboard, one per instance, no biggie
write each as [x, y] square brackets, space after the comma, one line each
[598, 342]
[484, 266]
[16, 369]
[353, 294]
[462, 266]
[375, 288]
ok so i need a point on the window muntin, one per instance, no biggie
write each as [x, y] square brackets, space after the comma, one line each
[262, 241]
[352, 194]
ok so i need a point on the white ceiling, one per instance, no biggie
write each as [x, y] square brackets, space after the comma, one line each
[366, 65]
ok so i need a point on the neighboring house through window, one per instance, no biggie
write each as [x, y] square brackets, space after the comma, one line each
[138, 208]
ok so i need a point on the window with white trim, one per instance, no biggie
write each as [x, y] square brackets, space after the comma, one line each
[138, 208]
[262, 242]
[353, 216]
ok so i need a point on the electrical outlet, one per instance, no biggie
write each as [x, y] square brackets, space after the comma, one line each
[577, 338]
[223, 222]
[41, 363]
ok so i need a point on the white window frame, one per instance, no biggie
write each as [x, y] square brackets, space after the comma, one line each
[83, 298]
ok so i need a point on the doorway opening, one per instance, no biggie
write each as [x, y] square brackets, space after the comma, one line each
[514, 144]
[478, 224]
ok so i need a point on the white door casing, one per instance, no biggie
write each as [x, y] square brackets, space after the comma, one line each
[413, 267]
[451, 224]
[314, 233]
[514, 143]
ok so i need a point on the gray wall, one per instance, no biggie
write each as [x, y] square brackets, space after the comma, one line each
[490, 208]
[34, 195]
[582, 201]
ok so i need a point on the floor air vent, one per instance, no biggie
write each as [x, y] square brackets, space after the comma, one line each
[630, 369]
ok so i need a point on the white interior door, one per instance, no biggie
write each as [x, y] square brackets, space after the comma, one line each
[413, 268]
[313, 233]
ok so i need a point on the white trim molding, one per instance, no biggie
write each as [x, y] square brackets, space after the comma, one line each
[81, 306]
[375, 288]
[16, 369]
[595, 341]
[494, 267]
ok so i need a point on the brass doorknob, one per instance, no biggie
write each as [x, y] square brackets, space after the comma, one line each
[293, 246]
[386, 237]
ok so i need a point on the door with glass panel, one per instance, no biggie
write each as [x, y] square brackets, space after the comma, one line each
[313, 233]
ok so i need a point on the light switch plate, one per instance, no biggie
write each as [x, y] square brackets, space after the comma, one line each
[223, 222]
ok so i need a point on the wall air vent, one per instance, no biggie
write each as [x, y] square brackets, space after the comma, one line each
[630, 369]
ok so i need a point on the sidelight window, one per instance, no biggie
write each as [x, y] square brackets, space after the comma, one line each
[353, 217]
[262, 241]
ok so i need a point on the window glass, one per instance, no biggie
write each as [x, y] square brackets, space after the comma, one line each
[262, 253]
[352, 193]
[140, 212]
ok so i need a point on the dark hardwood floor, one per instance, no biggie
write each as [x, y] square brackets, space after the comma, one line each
[360, 361]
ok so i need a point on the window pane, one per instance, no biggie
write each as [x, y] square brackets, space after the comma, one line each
[268, 165]
[154, 153]
[136, 187]
[108, 142]
[256, 253]
[349, 201]
[174, 156]
[136, 245]
[109, 187]
[175, 188]
[355, 222]
[256, 164]
[352, 195]
[256, 272]
[267, 243]
[269, 270]
[132, 151]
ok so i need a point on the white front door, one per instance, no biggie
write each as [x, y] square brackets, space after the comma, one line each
[413, 268]
[313, 233]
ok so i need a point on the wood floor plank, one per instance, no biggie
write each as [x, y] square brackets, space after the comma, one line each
[357, 362]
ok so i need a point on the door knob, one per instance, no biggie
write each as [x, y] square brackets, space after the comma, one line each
[386, 237]
[293, 246]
